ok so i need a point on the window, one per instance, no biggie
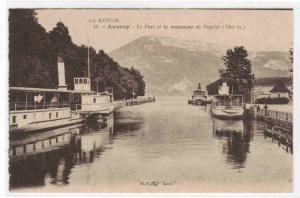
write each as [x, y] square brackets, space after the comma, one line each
[14, 119]
[94, 100]
[49, 115]
[85, 81]
[278, 95]
[80, 81]
[76, 81]
[24, 117]
[56, 114]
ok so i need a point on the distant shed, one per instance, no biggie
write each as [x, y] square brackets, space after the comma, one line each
[213, 87]
[271, 87]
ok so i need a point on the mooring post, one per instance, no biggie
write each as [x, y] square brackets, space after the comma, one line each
[272, 133]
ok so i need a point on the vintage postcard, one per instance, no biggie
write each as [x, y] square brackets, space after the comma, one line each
[150, 100]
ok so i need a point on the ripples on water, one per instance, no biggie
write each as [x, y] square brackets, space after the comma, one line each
[164, 142]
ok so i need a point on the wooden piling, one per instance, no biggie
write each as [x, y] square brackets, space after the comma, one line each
[279, 125]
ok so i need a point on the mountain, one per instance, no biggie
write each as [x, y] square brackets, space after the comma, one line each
[270, 63]
[175, 67]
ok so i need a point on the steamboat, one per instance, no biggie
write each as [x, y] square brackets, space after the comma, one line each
[199, 97]
[35, 109]
[225, 105]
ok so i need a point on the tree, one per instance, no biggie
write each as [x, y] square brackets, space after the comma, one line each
[33, 58]
[60, 39]
[27, 44]
[38, 75]
[237, 71]
[26, 35]
[140, 91]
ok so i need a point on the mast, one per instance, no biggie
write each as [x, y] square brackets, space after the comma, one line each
[88, 62]
[88, 55]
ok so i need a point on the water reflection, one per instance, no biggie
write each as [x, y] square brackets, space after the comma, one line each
[281, 135]
[93, 141]
[128, 121]
[48, 157]
[163, 141]
[238, 135]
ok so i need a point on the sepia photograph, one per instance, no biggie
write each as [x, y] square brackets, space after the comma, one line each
[150, 100]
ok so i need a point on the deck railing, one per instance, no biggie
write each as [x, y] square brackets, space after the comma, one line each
[91, 107]
[233, 104]
[276, 115]
[36, 105]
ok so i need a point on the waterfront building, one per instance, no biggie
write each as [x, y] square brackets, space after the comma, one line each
[213, 89]
[280, 91]
[268, 87]
[271, 87]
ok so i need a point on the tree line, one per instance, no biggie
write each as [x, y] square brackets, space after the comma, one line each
[33, 59]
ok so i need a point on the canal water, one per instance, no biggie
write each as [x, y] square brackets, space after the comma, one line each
[166, 146]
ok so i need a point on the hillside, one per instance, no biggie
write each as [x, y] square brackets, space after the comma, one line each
[174, 67]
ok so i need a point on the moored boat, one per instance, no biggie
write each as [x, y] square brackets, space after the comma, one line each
[227, 106]
[32, 109]
[90, 103]
[199, 97]
[35, 109]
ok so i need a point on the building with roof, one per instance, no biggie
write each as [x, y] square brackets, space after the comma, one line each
[213, 87]
[272, 87]
[279, 91]
[269, 87]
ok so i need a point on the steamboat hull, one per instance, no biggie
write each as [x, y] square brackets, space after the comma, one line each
[227, 113]
[199, 102]
[42, 126]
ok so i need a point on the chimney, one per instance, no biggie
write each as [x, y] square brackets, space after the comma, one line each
[61, 73]
[199, 86]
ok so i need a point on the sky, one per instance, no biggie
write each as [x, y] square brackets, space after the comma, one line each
[257, 30]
